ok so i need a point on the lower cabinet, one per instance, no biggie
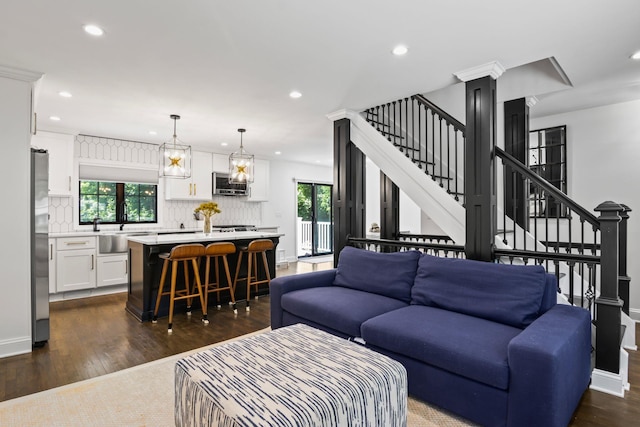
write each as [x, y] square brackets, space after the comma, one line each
[76, 269]
[75, 263]
[52, 266]
[112, 270]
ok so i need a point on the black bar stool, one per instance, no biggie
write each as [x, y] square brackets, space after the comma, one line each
[258, 246]
[217, 251]
[185, 253]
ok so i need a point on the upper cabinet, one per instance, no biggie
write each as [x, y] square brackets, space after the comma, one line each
[60, 148]
[198, 187]
[259, 188]
[220, 163]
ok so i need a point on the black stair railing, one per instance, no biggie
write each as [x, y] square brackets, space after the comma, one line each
[426, 134]
[561, 234]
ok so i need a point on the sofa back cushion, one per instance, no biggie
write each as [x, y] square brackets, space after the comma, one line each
[388, 274]
[508, 294]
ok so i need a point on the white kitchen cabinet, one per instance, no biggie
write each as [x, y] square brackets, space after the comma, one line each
[198, 187]
[220, 163]
[259, 188]
[112, 270]
[52, 266]
[60, 148]
[76, 263]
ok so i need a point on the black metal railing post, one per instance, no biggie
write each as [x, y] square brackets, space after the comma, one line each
[608, 303]
[623, 279]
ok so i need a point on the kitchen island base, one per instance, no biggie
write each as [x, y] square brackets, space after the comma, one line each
[146, 268]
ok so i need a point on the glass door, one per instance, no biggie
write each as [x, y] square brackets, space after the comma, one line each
[315, 219]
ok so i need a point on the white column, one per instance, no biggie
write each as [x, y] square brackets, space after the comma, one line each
[15, 284]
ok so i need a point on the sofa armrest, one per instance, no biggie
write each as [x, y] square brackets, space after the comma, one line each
[549, 367]
[281, 285]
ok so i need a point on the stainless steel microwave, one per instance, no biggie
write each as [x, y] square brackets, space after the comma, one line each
[222, 187]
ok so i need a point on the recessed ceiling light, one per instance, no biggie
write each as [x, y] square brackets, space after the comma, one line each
[224, 144]
[54, 118]
[400, 50]
[65, 94]
[636, 55]
[153, 132]
[278, 153]
[94, 30]
[295, 94]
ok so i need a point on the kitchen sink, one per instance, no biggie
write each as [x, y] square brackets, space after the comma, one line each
[116, 242]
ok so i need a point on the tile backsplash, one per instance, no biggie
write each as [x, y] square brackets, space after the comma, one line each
[235, 210]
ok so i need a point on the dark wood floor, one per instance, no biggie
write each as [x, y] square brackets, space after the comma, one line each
[94, 336]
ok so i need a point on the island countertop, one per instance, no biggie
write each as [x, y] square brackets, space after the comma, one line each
[168, 239]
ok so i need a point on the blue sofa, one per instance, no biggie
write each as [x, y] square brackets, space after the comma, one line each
[485, 341]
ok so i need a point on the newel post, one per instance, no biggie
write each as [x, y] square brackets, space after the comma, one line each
[608, 303]
[623, 278]
[479, 169]
[349, 187]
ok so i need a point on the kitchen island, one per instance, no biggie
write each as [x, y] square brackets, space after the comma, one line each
[146, 267]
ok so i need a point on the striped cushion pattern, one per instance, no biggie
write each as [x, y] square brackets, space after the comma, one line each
[293, 376]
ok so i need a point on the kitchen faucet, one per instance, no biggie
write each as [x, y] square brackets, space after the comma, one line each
[123, 215]
[96, 221]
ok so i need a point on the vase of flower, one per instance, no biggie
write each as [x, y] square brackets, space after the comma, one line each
[207, 210]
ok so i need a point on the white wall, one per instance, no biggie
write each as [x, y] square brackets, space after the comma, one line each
[410, 213]
[15, 285]
[603, 147]
[281, 209]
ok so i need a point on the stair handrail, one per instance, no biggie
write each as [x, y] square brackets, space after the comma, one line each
[459, 126]
[548, 187]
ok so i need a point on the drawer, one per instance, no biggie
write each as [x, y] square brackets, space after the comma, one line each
[71, 243]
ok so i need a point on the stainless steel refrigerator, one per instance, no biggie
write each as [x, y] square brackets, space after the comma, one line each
[39, 247]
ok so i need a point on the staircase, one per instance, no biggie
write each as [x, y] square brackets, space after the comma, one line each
[421, 149]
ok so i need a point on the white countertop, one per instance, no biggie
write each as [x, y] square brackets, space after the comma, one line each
[151, 231]
[201, 237]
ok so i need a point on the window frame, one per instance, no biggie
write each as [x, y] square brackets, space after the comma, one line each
[120, 198]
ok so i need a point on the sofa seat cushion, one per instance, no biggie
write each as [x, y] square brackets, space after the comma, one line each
[509, 294]
[468, 346]
[338, 308]
[388, 274]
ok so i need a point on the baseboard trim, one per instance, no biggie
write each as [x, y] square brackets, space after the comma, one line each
[13, 347]
[86, 293]
[634, 313]
[612, 383]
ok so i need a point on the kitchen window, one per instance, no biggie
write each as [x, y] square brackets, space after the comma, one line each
[117, 202]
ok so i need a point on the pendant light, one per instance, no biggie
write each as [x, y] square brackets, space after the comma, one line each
[175, 157]
[240, 165]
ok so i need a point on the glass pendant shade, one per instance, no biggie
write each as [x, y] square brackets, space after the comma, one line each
[240, 165]
[175, 157]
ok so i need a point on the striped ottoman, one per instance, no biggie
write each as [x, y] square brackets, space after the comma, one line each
[293, 376]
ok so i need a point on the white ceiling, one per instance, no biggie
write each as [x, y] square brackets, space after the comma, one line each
[222, 65]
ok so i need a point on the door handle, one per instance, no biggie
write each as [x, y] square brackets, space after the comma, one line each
[51, 250]
[92, 261]
[126, 267]
[194, 189]
[190, 187]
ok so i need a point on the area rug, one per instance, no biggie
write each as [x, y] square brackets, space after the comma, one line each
[138, 396]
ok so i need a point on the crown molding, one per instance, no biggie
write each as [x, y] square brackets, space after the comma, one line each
[492, 69]
[19, 74]
[531, 101]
